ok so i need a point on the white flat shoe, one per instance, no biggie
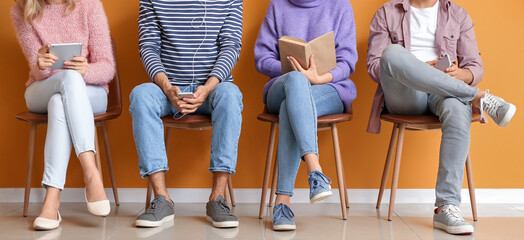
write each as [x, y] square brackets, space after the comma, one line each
[99, 208]
[41, 223]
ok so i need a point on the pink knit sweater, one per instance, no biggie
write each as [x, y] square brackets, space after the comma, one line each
[87, 24]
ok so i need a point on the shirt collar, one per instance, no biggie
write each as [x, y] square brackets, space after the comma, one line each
[406, 5]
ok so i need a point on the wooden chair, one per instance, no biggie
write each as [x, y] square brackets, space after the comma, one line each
[415, 123]
[324, 123]
[114, 108]
[189, 122]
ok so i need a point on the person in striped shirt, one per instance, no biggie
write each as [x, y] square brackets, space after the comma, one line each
[190, 47]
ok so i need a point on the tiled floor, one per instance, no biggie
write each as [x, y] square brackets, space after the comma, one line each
[319, 221]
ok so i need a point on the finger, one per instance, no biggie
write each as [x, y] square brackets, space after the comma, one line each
[297, 64]
[50, 61]
[292, 64]
[192, 100]
[50, 56]
[79, 59]
[312, 62]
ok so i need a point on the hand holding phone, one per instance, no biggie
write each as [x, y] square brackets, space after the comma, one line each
[443, 63]
[185, 95]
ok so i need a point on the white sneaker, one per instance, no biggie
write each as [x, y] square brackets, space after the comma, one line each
[450, 220]
[499, 110]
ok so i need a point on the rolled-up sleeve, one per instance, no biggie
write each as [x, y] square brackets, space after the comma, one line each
[468, 54]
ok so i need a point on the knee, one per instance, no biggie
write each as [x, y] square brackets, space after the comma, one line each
[72, 80]
[227, 93]
[296, 79]
[141, 97]
[391, 54]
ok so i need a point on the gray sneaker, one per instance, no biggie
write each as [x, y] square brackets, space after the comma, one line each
[219, 214]
[450, 220]
[159, 212]
[499, 110]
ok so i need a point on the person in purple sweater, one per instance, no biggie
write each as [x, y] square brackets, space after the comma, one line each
[299, 97]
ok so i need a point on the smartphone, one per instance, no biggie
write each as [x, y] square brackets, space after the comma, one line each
[185, 95]
[443, 63]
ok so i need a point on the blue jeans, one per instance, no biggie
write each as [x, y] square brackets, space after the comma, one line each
[298, 104]
[149, 104]
[412, 87]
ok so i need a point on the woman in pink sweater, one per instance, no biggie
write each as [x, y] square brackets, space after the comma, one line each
[69, 96]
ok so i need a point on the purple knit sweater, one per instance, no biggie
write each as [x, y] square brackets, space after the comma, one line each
[307, 20]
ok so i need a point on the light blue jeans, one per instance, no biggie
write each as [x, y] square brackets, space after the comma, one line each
[149, 104]
[298, 104]
[69, 104]
[412, 87]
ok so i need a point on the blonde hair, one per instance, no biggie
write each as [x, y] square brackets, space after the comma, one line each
[35, 8]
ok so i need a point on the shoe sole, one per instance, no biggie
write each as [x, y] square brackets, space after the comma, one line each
[226, 224]
[321, 196]
[146, 223]
[284, 227]
[509, 115]
[42, 228]
[461, 230]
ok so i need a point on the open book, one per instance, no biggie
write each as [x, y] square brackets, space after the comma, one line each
[322, 47]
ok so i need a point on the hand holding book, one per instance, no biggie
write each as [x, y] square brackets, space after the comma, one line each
[311, 73]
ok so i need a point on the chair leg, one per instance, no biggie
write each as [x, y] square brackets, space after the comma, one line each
[148, 194]
[97, 154]
[340, 170]
[231, 192]
[29, 173]
[267, 169]
[388, 164]
[471, 187]
[109, 162]
[346, 196]
[396, 170]
[272, 198]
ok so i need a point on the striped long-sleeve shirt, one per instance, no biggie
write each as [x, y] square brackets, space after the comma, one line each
[190, 40]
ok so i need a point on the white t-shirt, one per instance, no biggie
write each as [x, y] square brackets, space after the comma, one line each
[423, 27]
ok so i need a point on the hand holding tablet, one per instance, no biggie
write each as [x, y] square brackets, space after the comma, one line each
[64, 52]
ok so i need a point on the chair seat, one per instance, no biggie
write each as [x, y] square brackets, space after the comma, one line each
[420, 122]
[334, 118]
[39, 118]
[188, 122]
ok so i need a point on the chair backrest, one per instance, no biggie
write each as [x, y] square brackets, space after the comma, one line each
[114, 98]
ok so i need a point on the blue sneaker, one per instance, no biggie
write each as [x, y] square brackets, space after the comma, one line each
[319, 186]
[283, 218]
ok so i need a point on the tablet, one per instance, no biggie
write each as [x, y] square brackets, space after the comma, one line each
[65, 52]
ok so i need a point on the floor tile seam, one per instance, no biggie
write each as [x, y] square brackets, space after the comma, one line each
[409, 226]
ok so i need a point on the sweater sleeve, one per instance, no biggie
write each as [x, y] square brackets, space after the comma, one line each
[267, 57]
[346, 49]
[30, 43]
[149, 39]
[101, 69]
[229, 42]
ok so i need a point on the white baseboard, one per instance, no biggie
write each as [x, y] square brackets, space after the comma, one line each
[252, 195]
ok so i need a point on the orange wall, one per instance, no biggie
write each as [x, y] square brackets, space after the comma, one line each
[497, 153]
